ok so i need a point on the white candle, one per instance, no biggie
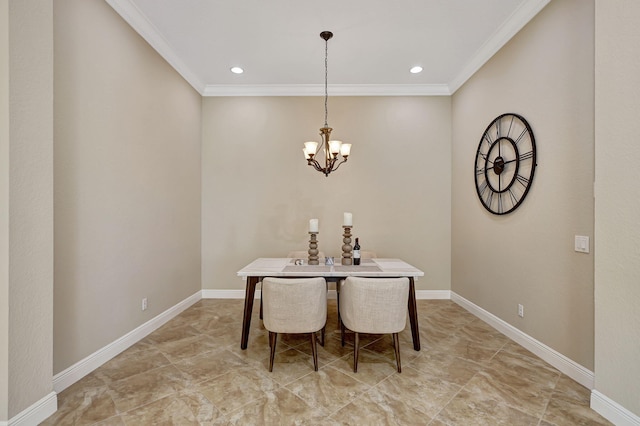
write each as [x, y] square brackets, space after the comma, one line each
[313, 225]
[348, 219]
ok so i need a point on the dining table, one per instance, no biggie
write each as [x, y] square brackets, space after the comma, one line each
[285, 267]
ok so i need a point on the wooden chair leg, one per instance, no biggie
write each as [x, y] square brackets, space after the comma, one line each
[314, 351]
[322, 332]
[396, 346]
[356, 348]
[342, 332]
[338, 302]
[260, 282]
[273, 337]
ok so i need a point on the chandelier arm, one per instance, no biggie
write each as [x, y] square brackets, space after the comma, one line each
[339, 164]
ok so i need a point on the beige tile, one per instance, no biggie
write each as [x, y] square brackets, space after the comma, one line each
[203, 410]
[328, 389]
[83, 406]
[517, 392]
[464, 365]
[143, 388]
[331, 351]
[225, 336]
[531, 368]
[372, 367]
[170, 332]
[130, 363]
[111, 421]
[289, 365]
[420, 391]
[445, 366]
[482, 333]
[570, 405]
[236, 388]
[188, 347]
[169, 410]
[469, 407]
[562, 412]
[377, 408]
[209, 365]
[471, 350]
[280, 407]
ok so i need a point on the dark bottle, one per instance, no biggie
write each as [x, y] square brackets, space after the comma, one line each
[356, 253]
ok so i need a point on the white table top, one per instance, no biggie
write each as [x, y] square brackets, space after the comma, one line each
[284, 267]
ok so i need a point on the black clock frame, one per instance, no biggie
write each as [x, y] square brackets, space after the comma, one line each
[491, 163]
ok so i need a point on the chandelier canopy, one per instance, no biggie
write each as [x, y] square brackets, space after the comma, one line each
[335, 152]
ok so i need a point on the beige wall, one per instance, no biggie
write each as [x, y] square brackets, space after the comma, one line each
[259, 193]
[545, 73]
[27, 148]
[127, 181]
[617, 268]
[4, 210]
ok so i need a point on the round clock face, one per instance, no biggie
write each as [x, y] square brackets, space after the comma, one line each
[505, 163]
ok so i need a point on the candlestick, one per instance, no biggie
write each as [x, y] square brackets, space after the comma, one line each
[348, 219]
[346, 247]
[313, 225]
[313, 249]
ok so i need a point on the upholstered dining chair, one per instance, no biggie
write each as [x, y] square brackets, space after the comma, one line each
[294, 305]
[374, 306]
[299, 254]
[363, 255]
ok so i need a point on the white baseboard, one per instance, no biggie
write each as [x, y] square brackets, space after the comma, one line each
[36, 413]
[567, 366]
[612, 411]
[80, 369]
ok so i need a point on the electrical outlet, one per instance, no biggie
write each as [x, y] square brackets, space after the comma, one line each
[520, 311]
[144, 304]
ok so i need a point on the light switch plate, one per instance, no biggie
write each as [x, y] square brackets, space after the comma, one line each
[582, 244]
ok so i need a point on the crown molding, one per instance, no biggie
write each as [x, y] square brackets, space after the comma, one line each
[134, 17]
[520, 17]
[335, 90]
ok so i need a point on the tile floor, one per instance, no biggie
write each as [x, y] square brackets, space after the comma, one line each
[192, 371]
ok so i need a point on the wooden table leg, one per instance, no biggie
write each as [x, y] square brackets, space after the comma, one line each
[248, 309]
[413, 315]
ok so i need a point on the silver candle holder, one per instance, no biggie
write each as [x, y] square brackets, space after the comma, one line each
[313, 249]
[346, 246]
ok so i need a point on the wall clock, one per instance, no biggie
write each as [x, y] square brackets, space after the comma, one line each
[505, 163]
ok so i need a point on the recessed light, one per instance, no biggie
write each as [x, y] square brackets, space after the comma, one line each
[415, 70]
[237, 70]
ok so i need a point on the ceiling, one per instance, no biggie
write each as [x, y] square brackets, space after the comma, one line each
[375, 42]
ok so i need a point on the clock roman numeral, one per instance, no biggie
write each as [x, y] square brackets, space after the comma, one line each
[523, 180]
[517, 141]
[526, 156]
[513, 197]
[482, 188]
[510, 125]
[490, 198]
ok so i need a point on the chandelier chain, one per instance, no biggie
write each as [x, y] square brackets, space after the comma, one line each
[326, 74]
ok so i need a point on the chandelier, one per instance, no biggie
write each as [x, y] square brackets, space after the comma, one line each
[332, 150]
